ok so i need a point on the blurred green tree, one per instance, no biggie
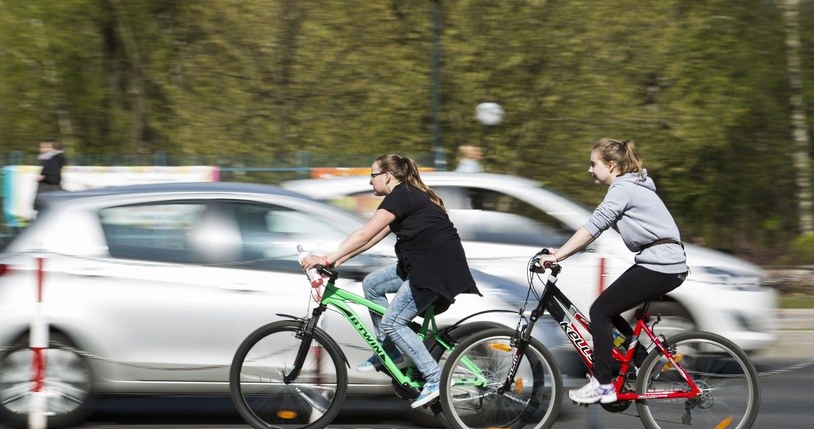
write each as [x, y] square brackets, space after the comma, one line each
[703, 87]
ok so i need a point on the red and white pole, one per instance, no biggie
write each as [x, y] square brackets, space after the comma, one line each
[38, 342]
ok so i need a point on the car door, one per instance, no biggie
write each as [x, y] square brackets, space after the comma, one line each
[175, 296]
[199, 275]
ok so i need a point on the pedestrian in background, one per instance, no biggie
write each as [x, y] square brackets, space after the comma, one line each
[52, 160]
[469, 161]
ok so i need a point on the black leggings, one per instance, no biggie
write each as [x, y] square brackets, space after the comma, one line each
[633, 287]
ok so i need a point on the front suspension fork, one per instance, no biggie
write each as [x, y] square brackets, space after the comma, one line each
[306, 333]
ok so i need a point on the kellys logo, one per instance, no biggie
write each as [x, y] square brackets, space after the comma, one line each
[577, 341]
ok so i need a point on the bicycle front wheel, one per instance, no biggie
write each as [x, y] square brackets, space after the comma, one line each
[730, 393]
[265, 400]
[475, 372]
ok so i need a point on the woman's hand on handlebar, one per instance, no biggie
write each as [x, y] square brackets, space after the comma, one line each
[547, 257]
[311, 261]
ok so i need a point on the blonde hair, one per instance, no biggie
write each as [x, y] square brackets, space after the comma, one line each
[405, 170]
[624, 154]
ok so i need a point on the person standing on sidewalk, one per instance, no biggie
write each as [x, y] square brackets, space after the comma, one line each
[52, 160]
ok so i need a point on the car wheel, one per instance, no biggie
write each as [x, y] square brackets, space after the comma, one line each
[674, 318]
[67, 385]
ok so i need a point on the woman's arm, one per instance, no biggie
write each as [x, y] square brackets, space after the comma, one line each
[375, 240]
[357, 242]
[580, 239]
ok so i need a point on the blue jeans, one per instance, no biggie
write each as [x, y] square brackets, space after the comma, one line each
[392, 328]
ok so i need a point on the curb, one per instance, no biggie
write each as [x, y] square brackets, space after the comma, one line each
[795, 334]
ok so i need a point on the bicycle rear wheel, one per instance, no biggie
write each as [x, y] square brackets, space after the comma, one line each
[478, 367]
[265, 400]
[730, 391]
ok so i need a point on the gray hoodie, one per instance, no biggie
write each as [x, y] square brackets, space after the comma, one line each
[633, 209]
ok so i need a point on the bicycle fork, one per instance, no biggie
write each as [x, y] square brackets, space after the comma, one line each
[306, 333]
[520, 350]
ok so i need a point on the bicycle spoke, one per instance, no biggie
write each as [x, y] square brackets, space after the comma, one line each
[262, 396]
[473, 398]
[729, 392]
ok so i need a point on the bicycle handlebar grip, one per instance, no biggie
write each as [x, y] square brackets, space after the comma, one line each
[536, 267]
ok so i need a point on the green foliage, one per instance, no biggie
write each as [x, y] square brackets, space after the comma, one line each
[801, 251]
[701, 86]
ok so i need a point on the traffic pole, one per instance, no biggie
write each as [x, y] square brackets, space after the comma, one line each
[38, 342]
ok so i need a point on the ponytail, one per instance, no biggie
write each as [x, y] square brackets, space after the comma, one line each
[624, 154]
[405, 170]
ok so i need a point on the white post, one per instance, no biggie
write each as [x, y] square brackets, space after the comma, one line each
[38, 342]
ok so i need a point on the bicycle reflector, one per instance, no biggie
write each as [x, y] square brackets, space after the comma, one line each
[287, 414]
[518, 385]
[677, 358]
[501, 347]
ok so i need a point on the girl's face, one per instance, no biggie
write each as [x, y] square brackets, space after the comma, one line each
[379, 179]
[603, 173]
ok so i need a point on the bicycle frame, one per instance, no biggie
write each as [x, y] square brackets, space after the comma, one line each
[567, 316]
[340, 299]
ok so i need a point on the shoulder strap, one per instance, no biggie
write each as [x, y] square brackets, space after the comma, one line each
[660, 241]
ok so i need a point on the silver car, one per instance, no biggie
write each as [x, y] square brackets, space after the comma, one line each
[150, 289]
[502, 219]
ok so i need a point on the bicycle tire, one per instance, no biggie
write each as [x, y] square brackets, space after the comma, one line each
[533, 405]
[265, 401]
[433, 416]
[728, 379]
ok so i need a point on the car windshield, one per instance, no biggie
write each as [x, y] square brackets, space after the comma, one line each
[481, 215]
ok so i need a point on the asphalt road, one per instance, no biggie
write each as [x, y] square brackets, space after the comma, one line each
[787, 374]
[785, 403]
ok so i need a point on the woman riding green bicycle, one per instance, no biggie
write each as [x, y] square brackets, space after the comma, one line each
[431, 265]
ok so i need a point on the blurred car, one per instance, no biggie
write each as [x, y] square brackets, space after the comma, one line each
[503, 219]
[150, 289]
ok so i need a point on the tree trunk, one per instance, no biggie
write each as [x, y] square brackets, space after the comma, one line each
[136, 86]
[52, 76]
[802, 161]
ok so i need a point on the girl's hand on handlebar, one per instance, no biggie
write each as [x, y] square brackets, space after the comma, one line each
[311, 261]
[548, 258]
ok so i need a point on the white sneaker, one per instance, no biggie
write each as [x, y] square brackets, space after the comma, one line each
[429, 393]
[593, 392]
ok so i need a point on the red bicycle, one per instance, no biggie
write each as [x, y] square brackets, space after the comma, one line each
[505, 378]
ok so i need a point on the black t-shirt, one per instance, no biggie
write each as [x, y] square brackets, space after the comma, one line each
[428, 248]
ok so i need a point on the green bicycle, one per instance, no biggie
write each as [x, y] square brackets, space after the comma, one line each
[292, 374]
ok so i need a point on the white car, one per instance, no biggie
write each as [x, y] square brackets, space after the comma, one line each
[504, 219]
[150, 289]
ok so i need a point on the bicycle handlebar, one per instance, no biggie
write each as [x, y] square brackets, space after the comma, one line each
[331, 274]
[535, 266]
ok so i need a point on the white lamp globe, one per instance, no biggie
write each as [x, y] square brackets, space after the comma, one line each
[489, 113]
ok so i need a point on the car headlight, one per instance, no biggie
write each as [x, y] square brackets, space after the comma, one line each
[725, 277]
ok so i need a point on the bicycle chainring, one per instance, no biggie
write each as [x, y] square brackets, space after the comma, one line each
[617, 407]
